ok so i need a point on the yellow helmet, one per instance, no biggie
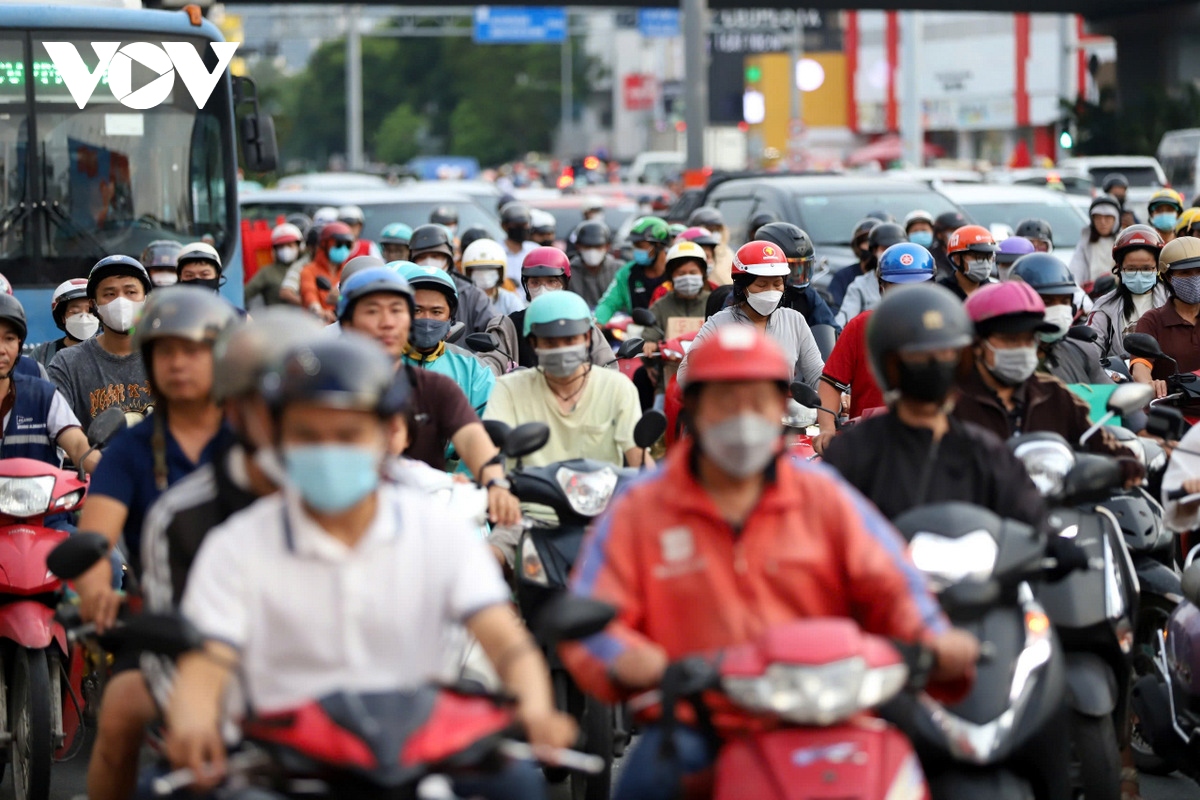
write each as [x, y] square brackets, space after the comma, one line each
[1166, 197]
[1181, 253]
[1189, 217]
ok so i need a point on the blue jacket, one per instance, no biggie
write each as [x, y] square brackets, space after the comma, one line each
[27, 434]
[808, 301]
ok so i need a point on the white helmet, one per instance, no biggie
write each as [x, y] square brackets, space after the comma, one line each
[286, 233]
[918, 216]
[591, 202]
[199, 251]
[350, 214]
[324, 215]
[484, 253]
[541, 220]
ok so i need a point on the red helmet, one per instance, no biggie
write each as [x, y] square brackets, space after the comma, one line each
[546, 262]
[1011, 307]
[760, 259]
[1134, 237]
[973, 238]
[285, 233]
[737, 353]
[336, 230]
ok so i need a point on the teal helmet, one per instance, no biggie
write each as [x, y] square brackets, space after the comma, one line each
[419, 277]
[650, 229]
[395, 233]
[400, 266]
[558, 314]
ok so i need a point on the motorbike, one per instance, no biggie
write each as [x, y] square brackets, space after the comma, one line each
[982, 569]
[792, 710]
[577, 491]
[41, 716]
[1092, 610]
[1183, 388]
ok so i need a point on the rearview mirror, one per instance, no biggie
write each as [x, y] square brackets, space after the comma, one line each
[1091, 475]
[1143, 345]
[568, 617]
[649, 428]
[1083, 333]
[497, 431]
[1166, 422]
[482, 342]
[260, 151]
[631, 348]
[77, 554]
[805, 395]
[166, 634]
[323, 283]
[1130, 397]
[105, 426]
[644, 317]
[526, 439]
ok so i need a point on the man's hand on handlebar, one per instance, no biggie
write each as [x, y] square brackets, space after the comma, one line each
[955, 653]
[99, 602]
[640, 668]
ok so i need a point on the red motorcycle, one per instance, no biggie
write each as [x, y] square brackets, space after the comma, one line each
[792, 711]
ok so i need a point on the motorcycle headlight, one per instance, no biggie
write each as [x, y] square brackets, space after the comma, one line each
[1047, 463]
[587, 492]
[817, 695]
[26, 497]
[946, 561]
[530, 564]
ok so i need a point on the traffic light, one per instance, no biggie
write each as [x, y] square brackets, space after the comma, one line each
[753, 73]
[1066, 140]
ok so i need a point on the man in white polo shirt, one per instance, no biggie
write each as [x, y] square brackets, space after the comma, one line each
[341, 583]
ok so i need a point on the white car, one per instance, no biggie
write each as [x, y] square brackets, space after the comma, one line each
[1001, 207]
[1144, 173]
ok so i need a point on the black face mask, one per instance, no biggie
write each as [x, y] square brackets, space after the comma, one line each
[203, 283]
[517, 234]
[928, 381]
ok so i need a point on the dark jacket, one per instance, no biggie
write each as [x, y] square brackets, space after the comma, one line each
[1073, 361]
[475, 309]
[951, 283]
[1042, 403]
[899, 467]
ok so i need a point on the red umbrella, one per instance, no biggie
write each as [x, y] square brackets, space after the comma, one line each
[886, 149]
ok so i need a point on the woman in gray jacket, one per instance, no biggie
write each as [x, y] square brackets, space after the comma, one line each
[1135, 256]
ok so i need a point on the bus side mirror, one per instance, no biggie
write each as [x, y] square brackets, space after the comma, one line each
[260, 152]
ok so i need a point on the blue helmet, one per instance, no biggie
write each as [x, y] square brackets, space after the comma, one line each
[372, 280]
[1045, 273]
[906, 263]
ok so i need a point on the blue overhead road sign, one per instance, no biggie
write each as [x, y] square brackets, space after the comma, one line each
[520, 24]
[658, 23]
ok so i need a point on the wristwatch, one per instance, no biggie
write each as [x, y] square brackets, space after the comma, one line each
[501, 483]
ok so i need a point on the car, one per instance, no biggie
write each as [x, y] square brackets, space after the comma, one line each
[1144, 173]
[485, 193]
[1002, 207]
[656, 166]
[568, 211]
[827, 207]
[1179, 153]
[1073, 183]
[411, 206]
[330, 182]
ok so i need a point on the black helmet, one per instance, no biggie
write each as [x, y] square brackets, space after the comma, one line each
[348, 371]
[430, 238]
[862, 228]
[472, 235]
[706, 217]
[1047, 274]
[444, 215]
[1114, 180]
[181, 313]
[1103, 200]
[919, 318]
[794, 242]
[514, 214]
[13, 312]
[117, 265]
[760, 219]
[593, 233]
[881, 215]
[886, 234]
[357, 264]
[161, 254]
[1035, 229]
[949, 221]
[243, 353]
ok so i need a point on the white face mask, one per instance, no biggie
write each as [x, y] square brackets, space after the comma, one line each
[1061, 317]
[163, 278]
[120, 314]
[81, 326]
[764, 302]
[432, 261]
[485, 278]
[537, 291]
[688, 285]
[286, 253]
[593, 257]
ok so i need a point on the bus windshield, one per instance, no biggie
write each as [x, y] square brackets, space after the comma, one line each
[105, 179]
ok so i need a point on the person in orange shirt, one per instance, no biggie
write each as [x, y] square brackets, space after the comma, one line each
[731, 537]
[333, 248]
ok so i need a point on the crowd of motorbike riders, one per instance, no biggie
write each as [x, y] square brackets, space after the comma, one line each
[273, 482]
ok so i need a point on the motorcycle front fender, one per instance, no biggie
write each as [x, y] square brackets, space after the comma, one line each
[1091, 685]
[31, 624]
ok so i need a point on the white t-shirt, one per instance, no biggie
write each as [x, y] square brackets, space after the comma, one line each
[312, 616]
[515, 260]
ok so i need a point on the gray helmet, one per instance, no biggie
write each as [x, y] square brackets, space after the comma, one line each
[117, 265]
[349, 371]
[918, 318]
[430, 238]
[12, 312]
[886, 234]
[244, 353]
[180, 313]
[706, 217]
[357, 264]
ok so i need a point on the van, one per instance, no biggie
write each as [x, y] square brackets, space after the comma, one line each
[1179, 154]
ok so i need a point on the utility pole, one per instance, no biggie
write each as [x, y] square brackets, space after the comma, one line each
[912, 129]
[568, 99]
[695, 67]
[354, 117]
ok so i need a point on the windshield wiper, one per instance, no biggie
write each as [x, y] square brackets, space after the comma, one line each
[71, 227]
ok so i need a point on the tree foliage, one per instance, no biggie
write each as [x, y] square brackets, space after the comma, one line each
[1104, 128]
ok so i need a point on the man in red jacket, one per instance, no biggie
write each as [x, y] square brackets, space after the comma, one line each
[730, 538]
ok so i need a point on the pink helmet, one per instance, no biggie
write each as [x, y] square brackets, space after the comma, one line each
[1012, 307]
[701, 236]
[546, 261]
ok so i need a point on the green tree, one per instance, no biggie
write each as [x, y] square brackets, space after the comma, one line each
[395, 141]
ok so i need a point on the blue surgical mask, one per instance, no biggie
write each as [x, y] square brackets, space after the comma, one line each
[332, 477]
[339, 253]
[1139, 282]
[642, 258]
[426, 333]
[1164, 221]
[923, 238]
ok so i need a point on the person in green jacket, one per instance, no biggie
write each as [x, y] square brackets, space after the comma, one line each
[634, 284]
